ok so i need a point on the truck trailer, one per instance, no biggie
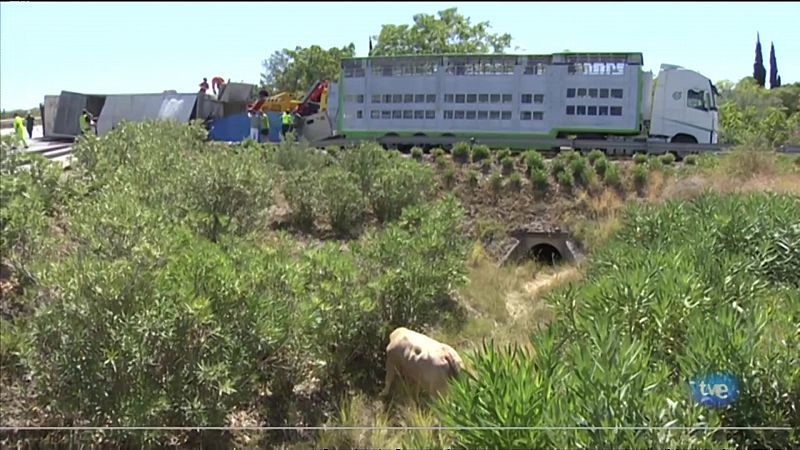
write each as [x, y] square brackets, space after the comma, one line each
[523, 101]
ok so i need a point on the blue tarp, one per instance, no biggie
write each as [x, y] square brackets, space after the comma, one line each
[236, 128]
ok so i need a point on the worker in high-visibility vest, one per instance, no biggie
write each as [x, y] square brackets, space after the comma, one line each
[286, 123]
[19, 130]
[85, 121]
[264, 127]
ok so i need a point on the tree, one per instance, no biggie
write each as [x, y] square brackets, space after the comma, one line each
[451, 32]
[296, 70]
[759, 72]
[774, 78]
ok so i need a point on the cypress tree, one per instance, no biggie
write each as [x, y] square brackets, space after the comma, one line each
[774, 78]
[759, 72]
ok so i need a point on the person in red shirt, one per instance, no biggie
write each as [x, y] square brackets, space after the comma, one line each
[216, 84]
[204, 86]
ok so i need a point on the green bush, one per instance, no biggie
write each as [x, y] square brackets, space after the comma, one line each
[415, 262]
[601, 166]
[473, 178]
[690, 160]
[667, 159]
[449, 176]
[566, 180]
[640, 174]
[395, 187]
[539, 179]
[342, 202]
[507, 163]
[437, 152]
[496, 182]
[613, 177]
[29, 197]
[503, 154]
[629, 337]
[640, 158]
[557, 166]
[416, 153]
[365, 161]
[595, 155]
[480, 153]
[303, 192]
[460, 152]
[581, 171]
[224, 308]
[441, 162]
[515, 181]
[226, 193]
[534, 160]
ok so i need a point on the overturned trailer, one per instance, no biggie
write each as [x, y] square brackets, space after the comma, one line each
[61, 112]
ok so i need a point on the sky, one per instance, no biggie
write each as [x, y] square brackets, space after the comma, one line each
[140, 47]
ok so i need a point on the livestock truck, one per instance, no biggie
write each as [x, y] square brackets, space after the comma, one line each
[606, 100]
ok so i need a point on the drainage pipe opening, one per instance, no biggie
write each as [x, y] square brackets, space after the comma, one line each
[545, 254]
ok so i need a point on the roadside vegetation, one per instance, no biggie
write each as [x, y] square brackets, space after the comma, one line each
[277, 272]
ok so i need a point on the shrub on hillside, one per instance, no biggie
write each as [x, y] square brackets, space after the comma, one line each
[640, 174]
[416, 261]
[539, 179]
[595, 155]
[640, 158]
[416, 153]
[627, 343]
[473, 178]
[507, 165]
[113, 360]
[151, 146]
[225, 193]
[297, 156]
[557, 166]
[690, 160]
[534, 160]
[401, 184]
[496, 182]
[365, 161]
[581, 171]
[480, 153]
[502, 154]
[28, 198]
[667, 159]
[515, 181]
[613, 177]
[437, 152]
[601, 166]
[302, 191]
[566, 180]
[341, 201]
[449, 177]
[460, 152]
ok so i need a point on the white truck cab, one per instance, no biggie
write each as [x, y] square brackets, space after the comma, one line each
[684, 107]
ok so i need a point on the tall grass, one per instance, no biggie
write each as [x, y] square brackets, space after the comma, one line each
[680, 291]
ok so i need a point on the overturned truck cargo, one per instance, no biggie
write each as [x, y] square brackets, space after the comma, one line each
[62, 112]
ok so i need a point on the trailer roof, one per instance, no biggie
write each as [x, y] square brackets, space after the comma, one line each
[501, 55]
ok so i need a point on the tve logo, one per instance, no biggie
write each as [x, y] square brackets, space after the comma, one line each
[716, 389]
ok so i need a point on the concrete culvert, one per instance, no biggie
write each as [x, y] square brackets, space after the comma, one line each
[546, 244]
[545, 254]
